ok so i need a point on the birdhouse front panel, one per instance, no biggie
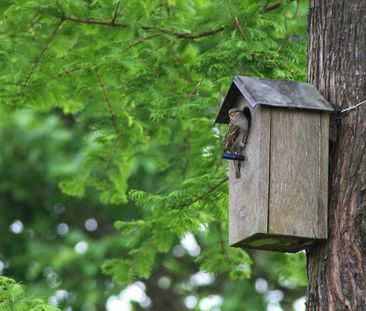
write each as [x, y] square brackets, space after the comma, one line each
[248, 195]
[278, 199]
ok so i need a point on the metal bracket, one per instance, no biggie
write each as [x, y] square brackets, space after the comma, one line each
[334, 123]
[334, 130]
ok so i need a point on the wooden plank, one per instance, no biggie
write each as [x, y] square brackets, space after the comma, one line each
[322, 220]
[264, 155]
[294, 173]
[248, 196]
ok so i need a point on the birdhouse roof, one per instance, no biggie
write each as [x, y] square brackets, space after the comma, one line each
[275, 93]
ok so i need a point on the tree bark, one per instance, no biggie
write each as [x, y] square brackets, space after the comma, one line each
[337, 67]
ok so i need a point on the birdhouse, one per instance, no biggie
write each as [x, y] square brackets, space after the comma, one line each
[279, 202]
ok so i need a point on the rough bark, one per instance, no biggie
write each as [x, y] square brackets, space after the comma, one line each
[337, 66]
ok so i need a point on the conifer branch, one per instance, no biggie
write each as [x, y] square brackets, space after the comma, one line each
[116, 12]
[111, 155]
[186, 35]
[95, 22]
[141, 40]
[108, 102]
[207, 193]
[180, 64]
[297, 8]
[114, 122]
[178, 35]
[66, 72]
[195, 89]
[238, 26]
[222, 242]
[33, 21]
[39, 58]
[271, 7]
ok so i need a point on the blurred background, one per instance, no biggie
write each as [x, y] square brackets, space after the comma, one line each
[56, 244]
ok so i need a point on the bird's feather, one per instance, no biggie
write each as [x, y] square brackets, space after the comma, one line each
[244, 139]
[237, 135]
[231, 135]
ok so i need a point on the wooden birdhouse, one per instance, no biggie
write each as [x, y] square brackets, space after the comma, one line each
[280, 200]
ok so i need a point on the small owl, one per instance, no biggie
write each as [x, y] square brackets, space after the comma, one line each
[237, 135]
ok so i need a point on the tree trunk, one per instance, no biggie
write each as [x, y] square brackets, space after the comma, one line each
[337, 67]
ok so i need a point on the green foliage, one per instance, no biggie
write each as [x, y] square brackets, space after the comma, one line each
[135, 86]
[40, 150]
[12, 297]
[293, 272]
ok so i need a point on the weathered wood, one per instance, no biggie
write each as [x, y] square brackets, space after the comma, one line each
[324, 137]
[248, 196]
[295, 174]
[280, 201]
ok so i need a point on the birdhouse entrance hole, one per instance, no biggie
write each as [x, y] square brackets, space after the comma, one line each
[247, 113]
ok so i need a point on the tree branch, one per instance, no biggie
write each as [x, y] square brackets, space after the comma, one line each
[111, 155]
[114, 122]
[141, 40]
[33, 21]
[95, 22]
[178, 35]
[180, 64]
[186, 35]
[108, 102]
[297, 8]
[195, 89]
[39, 58]
[238, 26]
[66, 72]
[222, 242]
[116, 12]
[207, 193]
[271, 7]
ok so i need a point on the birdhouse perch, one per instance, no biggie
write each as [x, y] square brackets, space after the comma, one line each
[280, 200]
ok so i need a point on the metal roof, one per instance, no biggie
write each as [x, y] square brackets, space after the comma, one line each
[275, 93]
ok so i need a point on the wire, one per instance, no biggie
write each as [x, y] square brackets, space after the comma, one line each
[352, 107]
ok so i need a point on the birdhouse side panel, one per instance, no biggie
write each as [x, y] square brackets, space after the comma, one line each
[248, 195]
[323, 176]
[295, 167]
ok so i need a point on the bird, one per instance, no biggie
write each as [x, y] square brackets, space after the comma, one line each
[237, 135]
